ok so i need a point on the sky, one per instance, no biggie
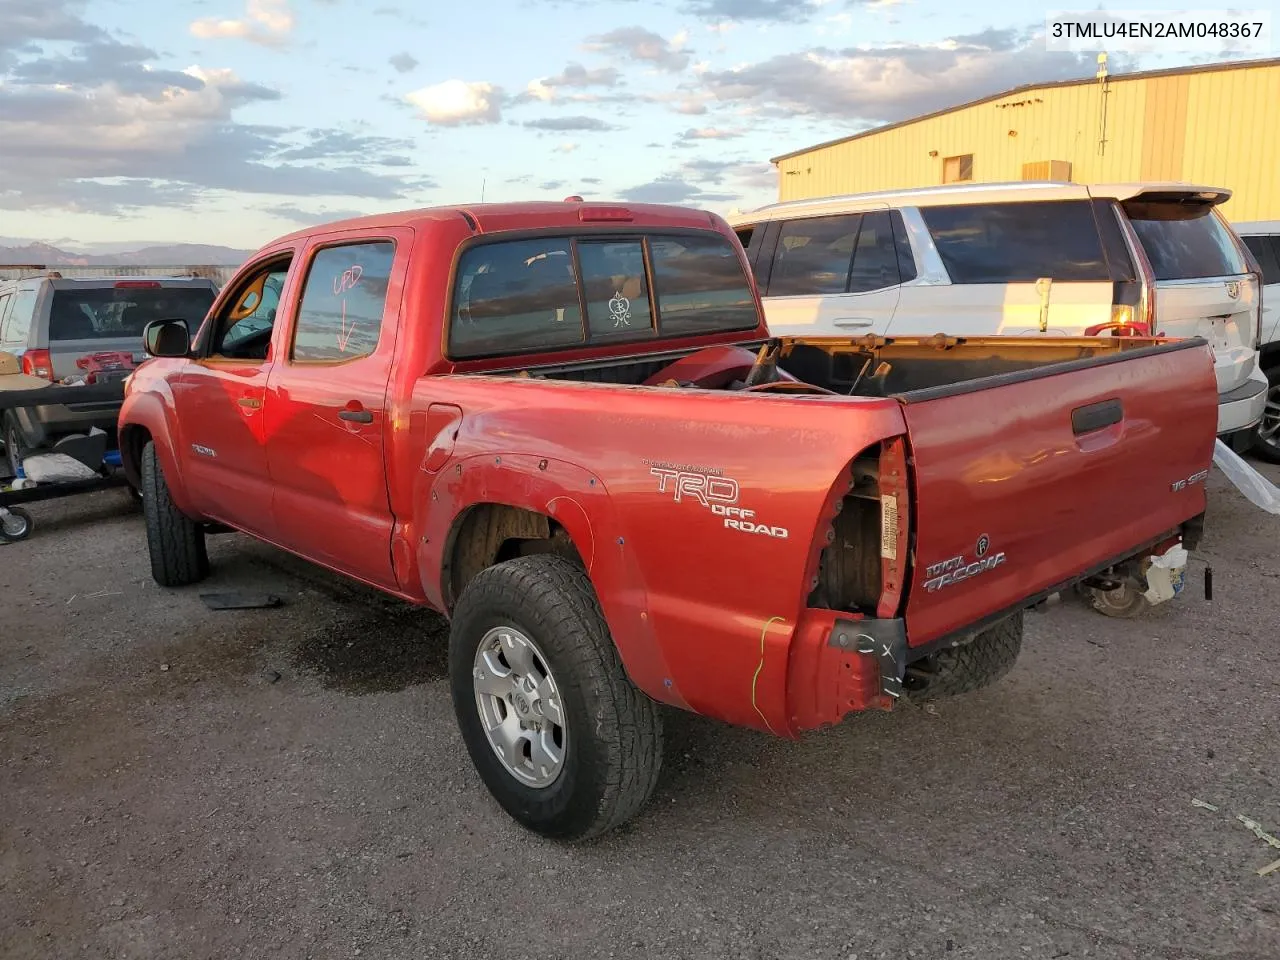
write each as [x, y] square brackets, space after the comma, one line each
[235, 121]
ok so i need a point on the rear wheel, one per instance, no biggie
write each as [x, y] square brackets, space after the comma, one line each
[1266, 439]
[562, 739]
[969, 667]
[174, 540]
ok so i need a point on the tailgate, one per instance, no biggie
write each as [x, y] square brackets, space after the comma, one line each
[1030, 479]
[1222, 311]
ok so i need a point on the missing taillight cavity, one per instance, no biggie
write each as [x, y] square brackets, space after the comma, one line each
[862, 567]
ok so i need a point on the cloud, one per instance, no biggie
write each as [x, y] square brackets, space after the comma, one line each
[574, 76]
[50, 20]
[695, 134]
[403, 62]
[688, 183]
[768, 11]
[311, 218]
[891, 83]
[645, 46]
[266, 22]
[456, 103]
[567, 124]
[102, 130]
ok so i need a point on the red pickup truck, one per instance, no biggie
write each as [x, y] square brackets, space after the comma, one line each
[566, 427]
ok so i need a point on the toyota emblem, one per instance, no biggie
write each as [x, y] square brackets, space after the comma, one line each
[984, 544]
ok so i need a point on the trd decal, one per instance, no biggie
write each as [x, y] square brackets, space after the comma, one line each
[955, 570]
[714, 491]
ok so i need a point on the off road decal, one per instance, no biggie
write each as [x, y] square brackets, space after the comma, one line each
[711, 489]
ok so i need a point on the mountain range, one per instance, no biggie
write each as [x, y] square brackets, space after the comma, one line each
[159, 255]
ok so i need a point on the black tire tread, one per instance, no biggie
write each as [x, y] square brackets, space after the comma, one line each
[627, 724]
[175, 542]
[988, 657]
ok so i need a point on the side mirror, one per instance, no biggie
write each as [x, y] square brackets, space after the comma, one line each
[167, 338]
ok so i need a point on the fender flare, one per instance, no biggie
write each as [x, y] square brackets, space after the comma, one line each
[578, 501]
[148, 412]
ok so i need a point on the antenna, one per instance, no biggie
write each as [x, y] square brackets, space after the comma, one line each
[1102, 67]
[482, 185]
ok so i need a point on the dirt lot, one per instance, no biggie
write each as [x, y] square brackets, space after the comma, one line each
[180, 783]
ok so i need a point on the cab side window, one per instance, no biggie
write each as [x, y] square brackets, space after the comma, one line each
[242, 329]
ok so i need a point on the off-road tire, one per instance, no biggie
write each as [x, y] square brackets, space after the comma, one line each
[614, 746]
[174, 540]
[969, 667]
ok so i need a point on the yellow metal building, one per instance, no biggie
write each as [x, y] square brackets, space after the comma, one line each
[1212, 124]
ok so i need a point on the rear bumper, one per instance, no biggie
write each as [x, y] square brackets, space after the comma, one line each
[1241, 408]
[842, 665]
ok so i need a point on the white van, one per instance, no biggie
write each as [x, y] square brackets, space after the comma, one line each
[1026, 258]
[1262, 237]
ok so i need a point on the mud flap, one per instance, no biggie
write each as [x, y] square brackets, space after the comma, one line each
[886, 640]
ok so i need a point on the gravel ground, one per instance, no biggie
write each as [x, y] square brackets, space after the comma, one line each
[181, 783]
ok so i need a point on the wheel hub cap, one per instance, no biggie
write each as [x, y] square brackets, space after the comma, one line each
[1269, 428]
[520, 707]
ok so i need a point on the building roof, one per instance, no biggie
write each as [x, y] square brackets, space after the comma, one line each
[1027, 88]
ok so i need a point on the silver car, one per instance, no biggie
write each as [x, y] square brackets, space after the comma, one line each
[50, 323]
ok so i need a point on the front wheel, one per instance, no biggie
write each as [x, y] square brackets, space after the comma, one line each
[562, 739]
[174, 541]
[1266, 439]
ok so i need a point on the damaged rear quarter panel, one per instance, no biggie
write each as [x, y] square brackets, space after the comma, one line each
[701, 603]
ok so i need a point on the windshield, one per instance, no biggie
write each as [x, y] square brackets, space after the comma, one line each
[109, 313]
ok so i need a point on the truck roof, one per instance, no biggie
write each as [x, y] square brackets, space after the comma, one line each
[526, 215]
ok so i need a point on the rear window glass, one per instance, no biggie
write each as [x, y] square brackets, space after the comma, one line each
[106, 313]
[516, 296]
[1018, 242]
[1183, 246]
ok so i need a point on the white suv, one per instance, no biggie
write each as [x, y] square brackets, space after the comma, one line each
[1018, 259]
[1262, 237]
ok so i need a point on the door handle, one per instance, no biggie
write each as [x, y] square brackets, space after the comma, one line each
[1096, 416]
[250, 403]
[852, 322]
[356, 416]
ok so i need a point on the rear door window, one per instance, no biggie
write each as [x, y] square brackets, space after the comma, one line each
[1184, 242]
[343, 300]
[1018, 242]
[1265, 251]
[875, 256]
[814, 255]
[120, 312]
